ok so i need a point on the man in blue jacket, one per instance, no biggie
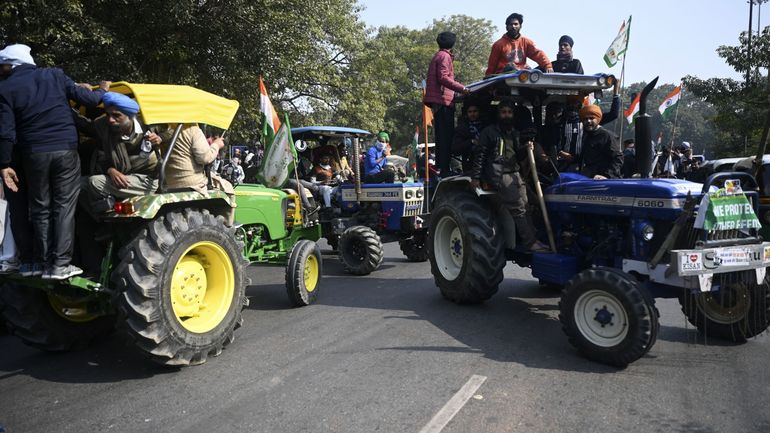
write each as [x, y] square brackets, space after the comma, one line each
[375, 159]
[36, 122]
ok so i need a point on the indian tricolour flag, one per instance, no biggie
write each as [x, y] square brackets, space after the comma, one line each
[619, 45]
[270, 121]
[669, 104]
[632, 110]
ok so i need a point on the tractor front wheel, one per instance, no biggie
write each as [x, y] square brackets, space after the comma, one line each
[608, 317]
[182, 287]
[414, 247]
[303, 273]
[360, 250]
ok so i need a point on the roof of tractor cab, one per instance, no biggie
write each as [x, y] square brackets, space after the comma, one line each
[167, 103]
[309, 132]
[548, 83]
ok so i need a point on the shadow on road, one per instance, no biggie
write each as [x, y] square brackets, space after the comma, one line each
[109, 360]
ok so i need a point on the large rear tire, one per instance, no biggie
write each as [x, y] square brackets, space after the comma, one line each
[360, 250]
[414, 247]
[465, 249]
[303, 273]
[739, 310]
[608, 317]
[182, 287]
[50, 321]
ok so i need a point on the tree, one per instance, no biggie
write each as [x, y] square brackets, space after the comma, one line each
[741, 107]
[303, 49]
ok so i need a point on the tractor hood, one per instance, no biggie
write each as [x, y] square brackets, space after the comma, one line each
[639, 198]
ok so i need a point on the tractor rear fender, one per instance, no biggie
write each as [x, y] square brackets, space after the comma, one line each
[458, 184]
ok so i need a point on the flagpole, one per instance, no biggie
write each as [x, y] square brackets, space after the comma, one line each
[620, 85]
[427, 165]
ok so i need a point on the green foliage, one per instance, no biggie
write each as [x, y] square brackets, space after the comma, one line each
[741, 107]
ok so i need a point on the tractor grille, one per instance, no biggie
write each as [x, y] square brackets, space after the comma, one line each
[412, 208]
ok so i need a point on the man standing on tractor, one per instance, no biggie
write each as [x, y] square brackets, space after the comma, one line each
[510, 53]
[496, 162]
[600, 156]
[36, 121]
[440, 88]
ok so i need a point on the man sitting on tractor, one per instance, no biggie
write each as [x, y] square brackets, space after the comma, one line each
[375, 170]
[600, 157]
[187, 162]
[127, 156]
[496, 162]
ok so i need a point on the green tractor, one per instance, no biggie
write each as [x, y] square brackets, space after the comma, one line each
[172, 271]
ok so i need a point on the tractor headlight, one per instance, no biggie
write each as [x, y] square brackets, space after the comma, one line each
[643, 230]
[523, 76]
[418, 194]
[602, 81]
[648, 232]
[534, 77]
[408, 194]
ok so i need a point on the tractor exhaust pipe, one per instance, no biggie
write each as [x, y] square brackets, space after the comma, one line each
[642, 134]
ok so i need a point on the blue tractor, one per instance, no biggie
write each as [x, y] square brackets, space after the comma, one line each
[620, 243]
[362, 216]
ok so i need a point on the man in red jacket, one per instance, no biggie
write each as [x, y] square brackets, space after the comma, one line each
[510, 52]
[440, 88]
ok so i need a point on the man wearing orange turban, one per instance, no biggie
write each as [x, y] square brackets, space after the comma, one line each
[600, 157]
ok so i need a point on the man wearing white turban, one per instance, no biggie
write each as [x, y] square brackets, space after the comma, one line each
[38, 135]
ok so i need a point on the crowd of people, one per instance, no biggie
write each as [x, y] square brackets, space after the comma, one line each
[40, 134]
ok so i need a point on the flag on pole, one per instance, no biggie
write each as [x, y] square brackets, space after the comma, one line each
[669, 104]
[632, 110]
[279, 159]
[619, 45]
[270, 121]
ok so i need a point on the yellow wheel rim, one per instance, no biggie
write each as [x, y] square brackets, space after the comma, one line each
[311, 273]
[70, 309]
[202, 287]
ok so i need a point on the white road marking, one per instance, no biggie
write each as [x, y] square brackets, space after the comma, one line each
[450, 409]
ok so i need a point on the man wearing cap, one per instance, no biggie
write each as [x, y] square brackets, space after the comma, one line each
[440, 88]
[688, 165]
[565, 63]
[600, 156]
[36, 123]
[496, 162]
[511, 51]
[126, 158]
[374, 162]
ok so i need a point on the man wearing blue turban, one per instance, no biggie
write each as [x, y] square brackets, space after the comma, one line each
[127, 160]
[38, 151]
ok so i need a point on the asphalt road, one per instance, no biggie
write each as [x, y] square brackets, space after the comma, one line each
[385, 353]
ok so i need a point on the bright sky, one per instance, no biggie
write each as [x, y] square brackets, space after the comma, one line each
[670, 38]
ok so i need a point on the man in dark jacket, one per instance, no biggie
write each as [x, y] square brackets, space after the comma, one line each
[600, 157]
[440, 88]
[496, 162]
[629, 158]
[565, 62]
[36, 120]
[467, 134]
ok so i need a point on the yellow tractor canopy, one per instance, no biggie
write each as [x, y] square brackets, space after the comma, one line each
[167, 103]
